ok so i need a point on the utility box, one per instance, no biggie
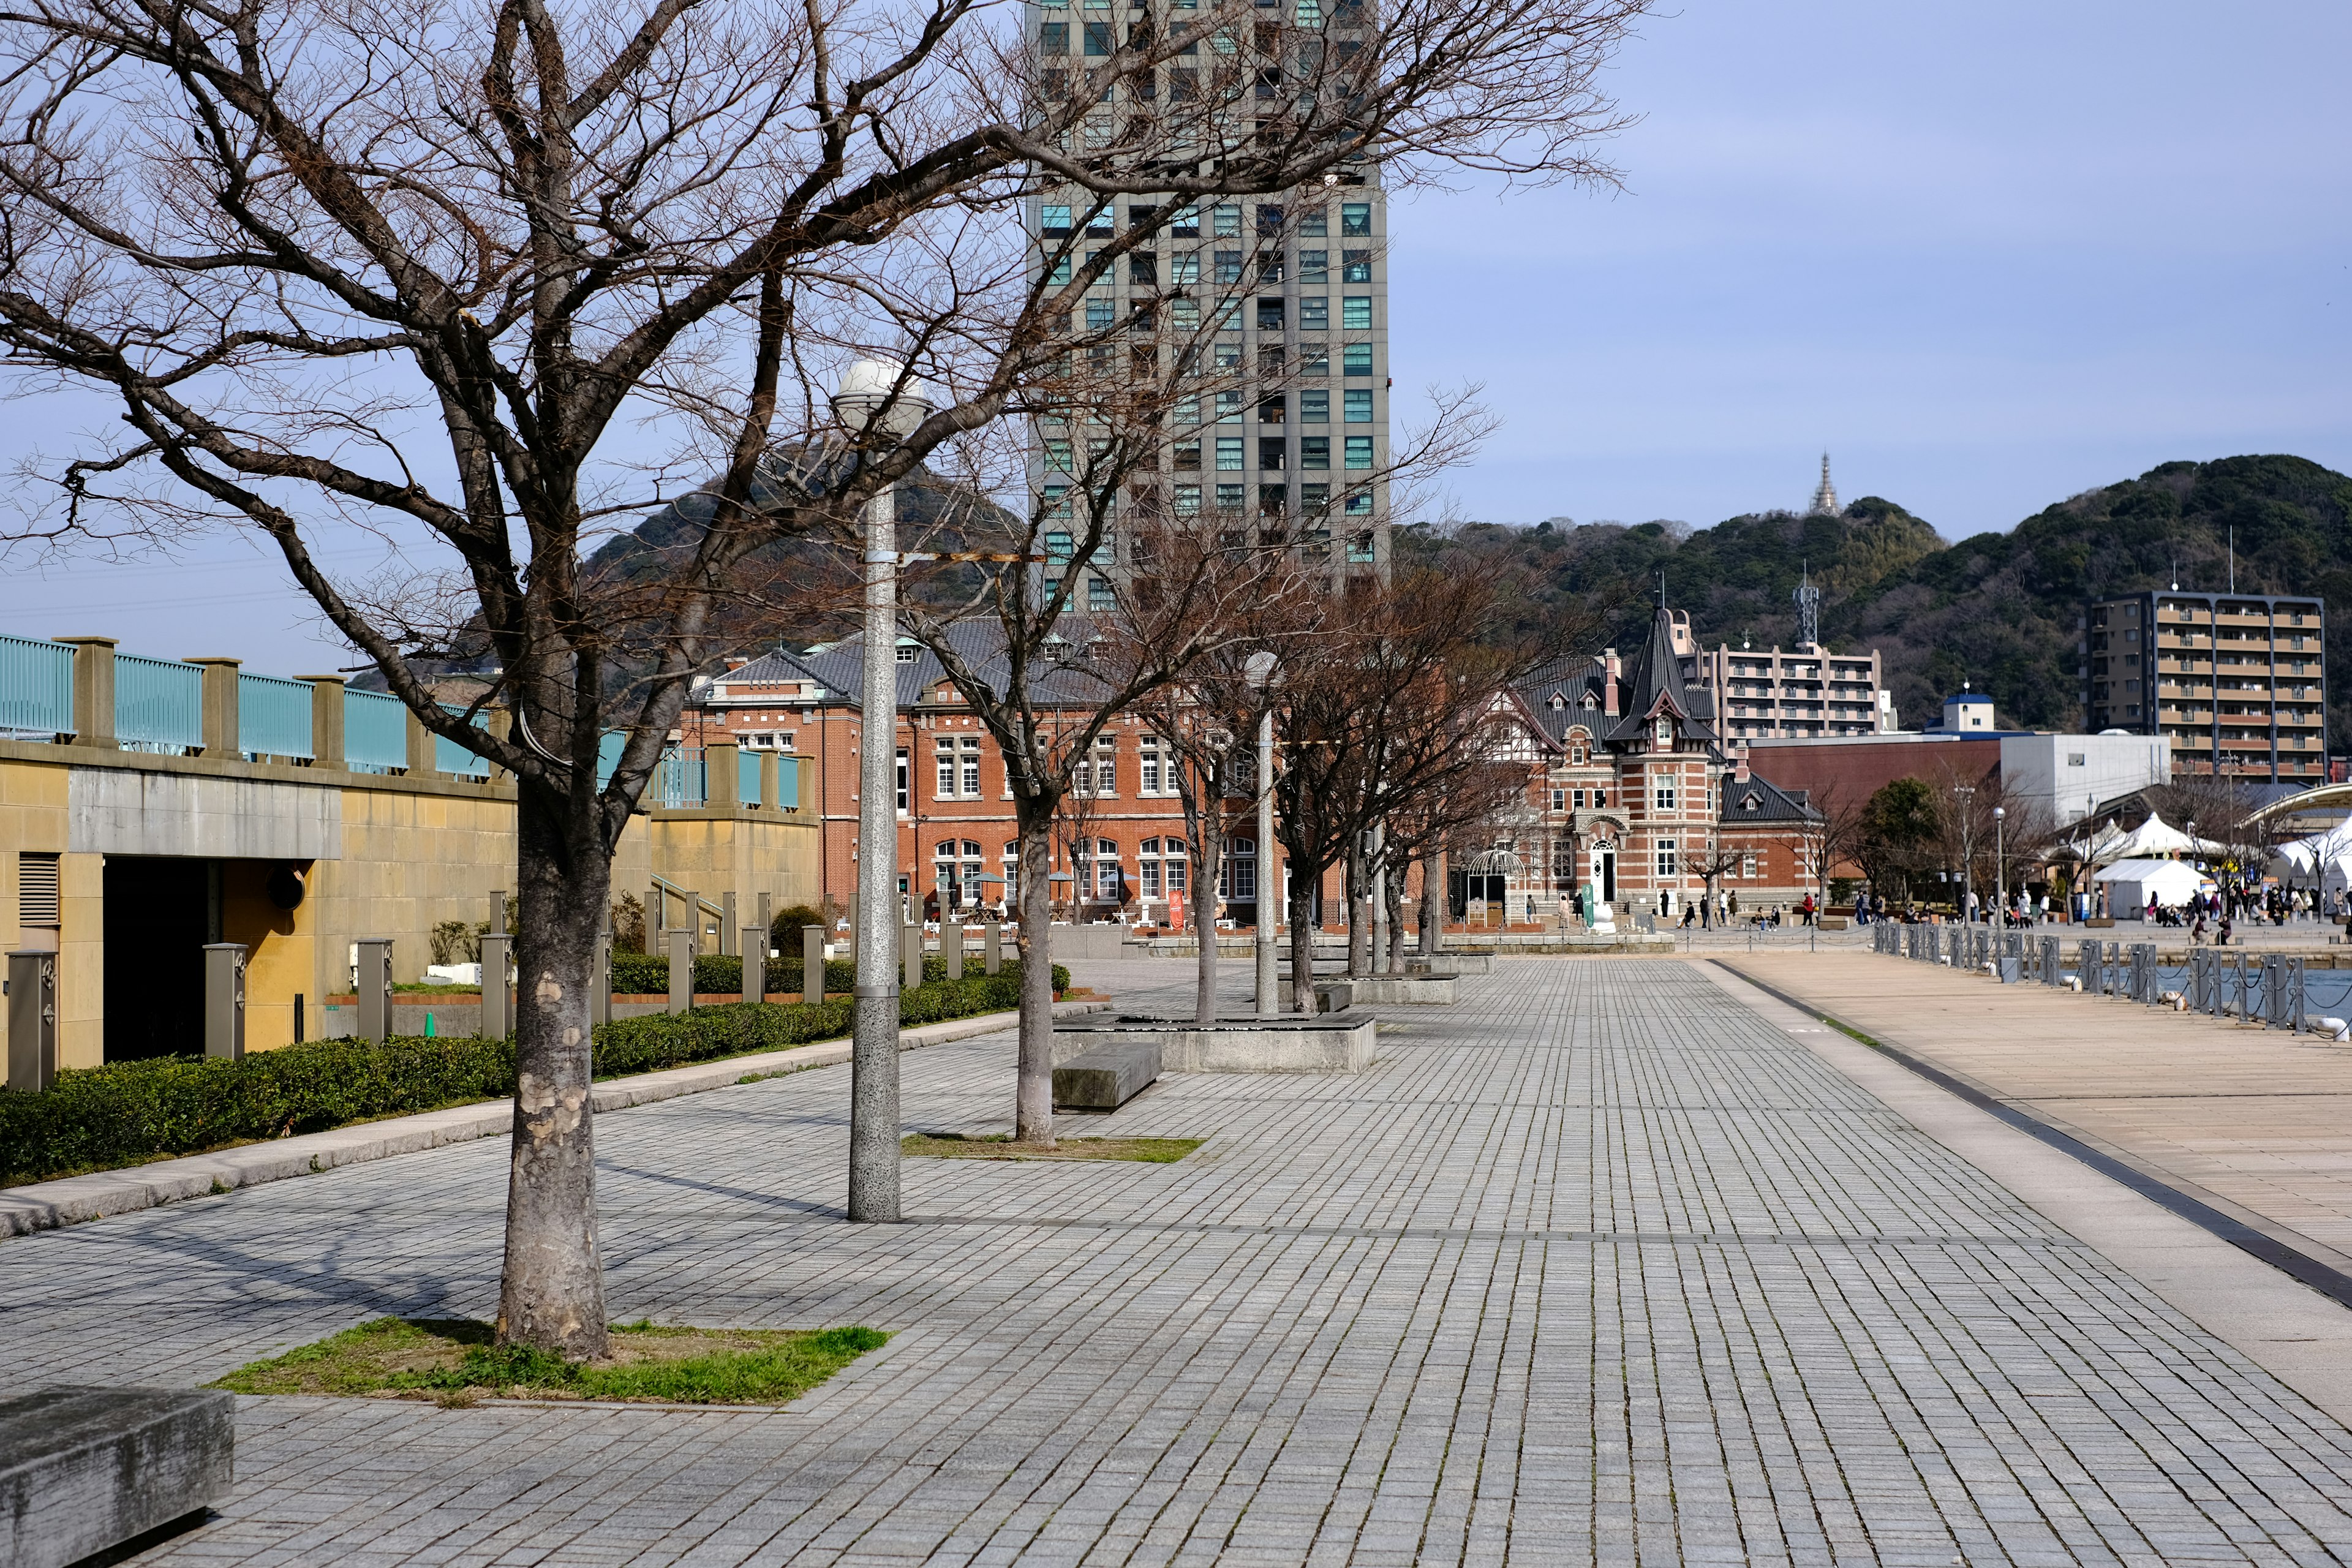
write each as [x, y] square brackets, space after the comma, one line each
[225, 1000]
[373, 980]
[32, 1021]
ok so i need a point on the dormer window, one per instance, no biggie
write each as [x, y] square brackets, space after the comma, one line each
[1666, 732]
[1557, 703]
[1750, 802]
[907, 652]
[1588, 704]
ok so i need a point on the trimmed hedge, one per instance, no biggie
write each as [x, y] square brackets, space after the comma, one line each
[720, 975]
[101, 1118]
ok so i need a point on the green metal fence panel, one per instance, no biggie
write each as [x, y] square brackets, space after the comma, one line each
[273, 716]
[746, 777]
[449, 757]
[375, 731]
[36, 686]
[159, 704]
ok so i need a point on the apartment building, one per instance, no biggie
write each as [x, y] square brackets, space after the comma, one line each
[1275, 309]
[2235, 681]
[1805, 693]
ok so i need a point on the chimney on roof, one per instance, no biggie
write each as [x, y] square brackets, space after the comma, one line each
[1740, 770]
[1610, 672]
[735, 662]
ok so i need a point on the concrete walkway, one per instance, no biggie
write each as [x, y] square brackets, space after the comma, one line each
[1604, 1264]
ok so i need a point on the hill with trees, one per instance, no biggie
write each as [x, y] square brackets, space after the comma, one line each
[1997, 610]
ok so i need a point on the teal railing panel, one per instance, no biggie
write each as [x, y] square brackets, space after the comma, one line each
[36, 686]
[788, 783]
[609, 747]
[159, 704]
[746, 777]
[375, 731]
[684, 777]
[273, 716]
[449, 757]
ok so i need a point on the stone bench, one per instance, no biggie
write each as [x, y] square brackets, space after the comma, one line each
[85, 1469]
[1106, 1075]
[1384, 989]
[1291, 1042]
[1449, 963]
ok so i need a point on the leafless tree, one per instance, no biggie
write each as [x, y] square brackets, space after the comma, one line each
[424, 271]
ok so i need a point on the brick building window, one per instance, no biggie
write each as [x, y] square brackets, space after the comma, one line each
[1665, 796]
[1666, 858]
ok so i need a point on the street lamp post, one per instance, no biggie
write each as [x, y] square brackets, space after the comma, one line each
[2000, 866]
[1259, 668]
[876, 396]
[1968, 843]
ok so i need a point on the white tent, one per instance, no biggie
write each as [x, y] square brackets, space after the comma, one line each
[2154, 837]
[2132, 885]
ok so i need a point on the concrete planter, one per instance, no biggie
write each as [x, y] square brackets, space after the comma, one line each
[1326, 1043]
[1442, 963]
[1385, 991]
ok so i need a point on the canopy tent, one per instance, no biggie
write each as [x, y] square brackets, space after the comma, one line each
[2152, 837]
[2136, 884]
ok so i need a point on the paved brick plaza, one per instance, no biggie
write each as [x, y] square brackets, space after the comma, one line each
[1597, 1265]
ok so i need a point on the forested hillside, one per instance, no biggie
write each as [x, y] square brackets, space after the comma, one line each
[1997, 609]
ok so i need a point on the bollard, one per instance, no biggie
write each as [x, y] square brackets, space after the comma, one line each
[727, 927]
[225, 1000]
[498, 1000]
[951, 947]
[910, 946]
[373, 983]
[811, 964]
[681, 970]
[992, 934]
[600, 981]
[32, 1021]
[755, 963]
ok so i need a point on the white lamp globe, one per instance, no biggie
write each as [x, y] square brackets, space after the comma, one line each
[867, 386]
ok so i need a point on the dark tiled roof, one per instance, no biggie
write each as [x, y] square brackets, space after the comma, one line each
[1557, 695]
[1771, 803]
[839, 667]
[1657, 675]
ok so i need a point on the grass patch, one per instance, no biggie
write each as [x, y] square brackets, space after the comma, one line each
[455, 1362]
[1000, 1146]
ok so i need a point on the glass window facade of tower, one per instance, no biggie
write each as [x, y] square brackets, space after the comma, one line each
[1261, 319]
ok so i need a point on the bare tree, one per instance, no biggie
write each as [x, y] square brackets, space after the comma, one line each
[422, 271]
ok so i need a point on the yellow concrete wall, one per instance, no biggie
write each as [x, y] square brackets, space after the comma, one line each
[410, 861]
[745, 853]
[82, 960]
[33, 818]
[280, 952]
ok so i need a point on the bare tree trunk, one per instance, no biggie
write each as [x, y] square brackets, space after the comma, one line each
[1302, 943]
[1433, 901]
[1211, 845]
[1032, 1110]
[1392, 887]
[551, 1291]
[1360, 912]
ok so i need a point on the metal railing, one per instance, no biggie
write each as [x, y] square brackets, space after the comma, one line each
[36, 686]
[449, 757]
[273, 717]
[684, 777]
[747, 776]
[375, 731]
[159, 704]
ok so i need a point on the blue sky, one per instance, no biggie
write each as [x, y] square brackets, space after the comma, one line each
[1986, 255]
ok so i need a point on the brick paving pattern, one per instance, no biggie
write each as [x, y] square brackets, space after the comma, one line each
[1594, 1266]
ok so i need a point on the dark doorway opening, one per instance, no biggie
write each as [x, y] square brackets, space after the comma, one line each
[160, 912]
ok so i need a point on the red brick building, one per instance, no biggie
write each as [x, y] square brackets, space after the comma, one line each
[1628, 789]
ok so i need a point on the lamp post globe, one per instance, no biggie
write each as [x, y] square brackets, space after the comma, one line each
[873, 390]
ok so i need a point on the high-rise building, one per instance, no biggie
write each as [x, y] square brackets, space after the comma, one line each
[1275, 308]
[2235, 680]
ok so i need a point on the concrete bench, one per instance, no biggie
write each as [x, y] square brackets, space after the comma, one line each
[1106, 1076]
[86, 1470]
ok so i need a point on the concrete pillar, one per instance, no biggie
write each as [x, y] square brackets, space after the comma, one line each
[722, 783]
[951, 947]
[374, 984]
[498, 911]
[600, 981]
[728, 929]
[326, 721]
[755, 963]
[225, 1000]
[498, 1000]
[32, 1021]
[767, 921]
[220, 707]
[911, 946]
[93, 691]
[681, 970]
[770, 774]
[811, 964]
[422, 754]
[993, 932]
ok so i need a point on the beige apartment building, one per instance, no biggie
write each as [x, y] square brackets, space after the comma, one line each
[1803, 693]
[2236, 681]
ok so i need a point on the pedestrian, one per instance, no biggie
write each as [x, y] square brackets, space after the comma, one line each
[1566, 909]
